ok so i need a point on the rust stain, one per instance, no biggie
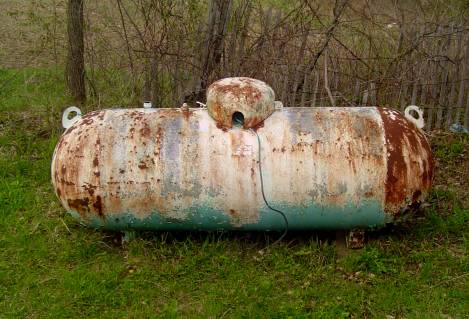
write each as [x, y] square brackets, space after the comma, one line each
[159, 137]
[79, 204]
[234, 213]
[98, 205]
[249, 92]
[86, 120]
[416, 196]
[70, 130]
[406, 148]
[186, 112]
[145, 131]
[66, 182]
[89, 188]
[255, 123]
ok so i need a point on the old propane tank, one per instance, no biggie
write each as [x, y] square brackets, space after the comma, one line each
[164, 169]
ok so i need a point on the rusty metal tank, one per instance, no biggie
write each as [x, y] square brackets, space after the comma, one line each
[185, 168]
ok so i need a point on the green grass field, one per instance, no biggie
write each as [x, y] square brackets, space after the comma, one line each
[51, 267]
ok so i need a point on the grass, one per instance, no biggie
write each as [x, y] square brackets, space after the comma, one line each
[51, 267]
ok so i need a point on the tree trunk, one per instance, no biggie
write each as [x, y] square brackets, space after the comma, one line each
[219, 15]
[75, 69]
[219, 12]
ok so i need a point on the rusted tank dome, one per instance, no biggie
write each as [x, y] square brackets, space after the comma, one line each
[242, 99]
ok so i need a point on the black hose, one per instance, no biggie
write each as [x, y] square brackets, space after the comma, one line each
[263, 193]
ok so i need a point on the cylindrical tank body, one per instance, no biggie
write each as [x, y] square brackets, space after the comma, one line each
[163, 169]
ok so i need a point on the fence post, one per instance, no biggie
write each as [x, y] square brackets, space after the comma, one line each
[305, 88]
[356, 93]
[365, 98]
[285, 85]
[403, 95]
[466, 114]
[373, 93]
[463, 74]
[316, 88]
[413, 99]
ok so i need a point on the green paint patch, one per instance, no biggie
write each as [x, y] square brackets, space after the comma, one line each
[312, 217]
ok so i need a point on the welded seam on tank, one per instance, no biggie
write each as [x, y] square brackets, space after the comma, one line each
[380, 120]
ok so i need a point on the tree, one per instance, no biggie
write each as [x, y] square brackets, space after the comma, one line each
[218, 17]
[75, 68]
[219, 13]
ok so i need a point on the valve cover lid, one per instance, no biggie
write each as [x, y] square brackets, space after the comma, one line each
[249, 98]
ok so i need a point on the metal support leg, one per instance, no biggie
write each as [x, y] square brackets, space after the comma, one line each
[356, 239]
[128, 235]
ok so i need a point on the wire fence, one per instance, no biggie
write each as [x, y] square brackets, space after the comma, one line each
[312, 53]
